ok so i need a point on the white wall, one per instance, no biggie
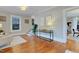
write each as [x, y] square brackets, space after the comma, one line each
[7, 24]
[60, 24]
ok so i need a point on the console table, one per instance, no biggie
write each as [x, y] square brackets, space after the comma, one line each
[49, 32]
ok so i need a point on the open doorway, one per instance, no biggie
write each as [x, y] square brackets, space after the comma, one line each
[72, 18]
[69, 27]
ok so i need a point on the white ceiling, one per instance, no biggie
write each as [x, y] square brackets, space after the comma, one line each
[74, 12]
[31, 10]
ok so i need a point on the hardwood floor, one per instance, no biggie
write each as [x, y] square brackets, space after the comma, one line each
[34, 44]
[72, 45]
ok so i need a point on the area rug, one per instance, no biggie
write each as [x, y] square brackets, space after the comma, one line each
[17, 40]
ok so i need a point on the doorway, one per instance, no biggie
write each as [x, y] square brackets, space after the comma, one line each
[72, 20]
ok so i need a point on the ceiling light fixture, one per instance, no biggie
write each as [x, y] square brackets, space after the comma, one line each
[23, 8]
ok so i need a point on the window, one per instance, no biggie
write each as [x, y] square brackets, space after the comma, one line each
[15, 23]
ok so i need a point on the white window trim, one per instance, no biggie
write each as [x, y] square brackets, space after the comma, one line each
[11, 24]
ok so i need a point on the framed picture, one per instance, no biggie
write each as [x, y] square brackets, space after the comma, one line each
[27, 21]
[15, 23]
[2, 18]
